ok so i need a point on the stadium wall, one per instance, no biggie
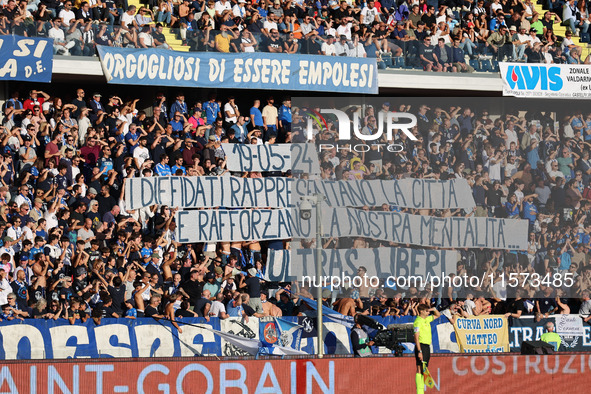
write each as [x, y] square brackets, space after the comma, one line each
[89, 70]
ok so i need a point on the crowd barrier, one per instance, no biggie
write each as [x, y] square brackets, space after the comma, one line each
[120, 338]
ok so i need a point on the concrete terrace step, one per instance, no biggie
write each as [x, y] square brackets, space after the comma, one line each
[560, 31]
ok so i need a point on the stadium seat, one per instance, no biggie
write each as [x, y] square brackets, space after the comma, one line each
[495, 66]
[485, 65]
[475, 64]
[398, 62]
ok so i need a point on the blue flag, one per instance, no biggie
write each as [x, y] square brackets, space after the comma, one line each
[290, 334]
[268, 332]
[277, 332]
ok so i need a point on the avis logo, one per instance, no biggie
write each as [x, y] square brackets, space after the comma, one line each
[534, 77]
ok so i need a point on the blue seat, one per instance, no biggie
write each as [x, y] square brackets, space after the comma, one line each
[475, 64]
[485, 65]
[398, 62]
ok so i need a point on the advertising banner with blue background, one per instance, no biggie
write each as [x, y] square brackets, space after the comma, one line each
[546, 80]
[26, 59]
[118, 338]
[239, 70]
[527, 329]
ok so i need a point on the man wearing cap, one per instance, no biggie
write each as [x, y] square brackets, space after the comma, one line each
[341, 46]
[212, 283]
[328, 47]
[253, 288]
[27, 153]
[153, 266]
[520, 42]
[533, 37]
[238, 10]
[95, 105]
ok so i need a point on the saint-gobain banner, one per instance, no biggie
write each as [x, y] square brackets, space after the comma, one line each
[290, 265]
[26, 59]
[239, 70]
[501, 374]
[546, 80]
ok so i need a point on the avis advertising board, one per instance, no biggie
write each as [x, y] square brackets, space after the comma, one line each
[546, 80]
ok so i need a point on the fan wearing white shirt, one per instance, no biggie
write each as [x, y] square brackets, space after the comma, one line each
[238, 10]
[67, 14]
[369, 14]
[221, 6]
[328, 48]
[231, 112]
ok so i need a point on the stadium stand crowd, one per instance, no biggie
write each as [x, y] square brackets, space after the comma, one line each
[450, 35]
[71, 250]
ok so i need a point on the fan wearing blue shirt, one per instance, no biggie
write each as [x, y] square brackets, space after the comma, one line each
[285, 116]
[162, 168]
[179, 106]
[512, 207]
[177, 123]
[132, 138]
[530, 211]
[178, 166]
[212, 110]
[256, 116]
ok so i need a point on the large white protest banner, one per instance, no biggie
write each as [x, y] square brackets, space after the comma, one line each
[275, 157]
[401, 228]
[215, 225]
[208, 192]
[276, 192]
[404, 193]
[291, 265]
